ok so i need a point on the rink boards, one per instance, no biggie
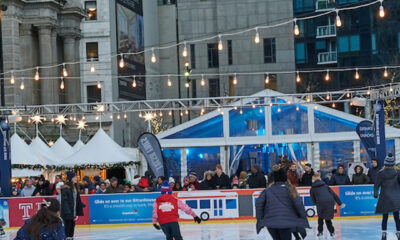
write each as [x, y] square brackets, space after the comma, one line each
[209, 205]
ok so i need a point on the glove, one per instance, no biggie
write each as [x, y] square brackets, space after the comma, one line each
[156, 226]
[197, 219]
[343, 205]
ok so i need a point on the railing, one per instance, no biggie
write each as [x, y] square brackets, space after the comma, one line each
[326, 31]
[325, 4]
[327, 57]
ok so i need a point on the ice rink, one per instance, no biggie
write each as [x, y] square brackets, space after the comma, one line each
[366, 229]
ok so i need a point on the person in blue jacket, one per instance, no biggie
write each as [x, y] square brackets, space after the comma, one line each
[45, 225]
[340, 177]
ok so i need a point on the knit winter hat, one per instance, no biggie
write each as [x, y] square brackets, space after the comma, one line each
[166, 188]
[59, 185]
[235, 182]
[389, 160]
[193, 175]
[70, 176]
[171, 180]
[97, 178]
[308, 165]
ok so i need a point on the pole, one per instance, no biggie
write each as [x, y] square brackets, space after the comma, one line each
[3, 98]
[178, 62]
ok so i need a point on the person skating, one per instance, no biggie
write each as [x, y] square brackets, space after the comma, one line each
[165, 212]
[280, 209]
[388, 180]
[325, 199]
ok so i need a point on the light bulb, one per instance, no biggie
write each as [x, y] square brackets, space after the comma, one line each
[298, 79]
[184, 52]
[125, 116]
[99, 85]
[121, 61]
[338, 20]
[381, 11]
[181, 114]
[297, 108]
[111, 117]
[296, 29]
[12, 78]
[315, 107]
[328, 97]
[22, 86]
[327, 77]
[368, 92]
[257, 37]
[261, 110]
[160, 114]
[235, 107]
[169, 83]
[241, 111]
[140, 114]
[187, 112]
[333, 105]
[134, 83]
[92, 68]
[62, 84]
[37, 76]
[118, 117]
[235, 81]
[357, 75]
[391, 88]
[64, 71]
[266, 78]
[202, 82]
[153, 56]
[348, 95]
[187, 84]
[220, 45]
[170, 113]
[385, 73]
[279, 109]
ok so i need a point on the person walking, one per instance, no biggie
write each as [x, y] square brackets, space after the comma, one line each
[340, 177]
[373, 171]
[256, 178]
[388, 181]
[280, 209]
[71, 204]
[45, 225]
[359, 177]
[325, 199]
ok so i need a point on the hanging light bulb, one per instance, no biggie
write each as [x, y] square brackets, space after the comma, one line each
[391, 88]
[279, 109]
[271, 104]
[134, 83]
[333, 105]
[296, 29]
[170, 113]
[92, 68]
[328, 97]
[111, 116]
[121, 61]
[386, 73]
[266, 80]
[253, 106]
[348, 95]
[297, 108]
[186, 112]
[338, 20]
[169, 83]
[22, 86]
[37, 76]
[64, 71]
[153, 56]
[161, 114]
[357, 75]
[241, 111]
[235, 81]
[235, 107]
[62, 86]
[381, 10]
[202, 82]
[327, 77]
[140, 114]
[257, 37]
[125, 116]
[185, 51]
[181, 114]
[187, 85]
[98, 84]
[298, 79]
[369, 91]
[261, 110]
[118, 117]
[12, 78]
[220, 45]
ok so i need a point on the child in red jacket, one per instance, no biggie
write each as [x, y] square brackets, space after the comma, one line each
[165, 212]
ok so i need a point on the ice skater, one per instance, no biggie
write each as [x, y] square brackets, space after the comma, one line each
[325, 199]
[165, 212]
[388, 180]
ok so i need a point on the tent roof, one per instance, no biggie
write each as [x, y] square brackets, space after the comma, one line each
[44, 152]
[100, 150]
[21, 153]
[62, 149]
[78, 145]
[24, 172]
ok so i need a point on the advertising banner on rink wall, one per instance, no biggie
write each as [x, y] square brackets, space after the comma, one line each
[359, 200]
[4, 213]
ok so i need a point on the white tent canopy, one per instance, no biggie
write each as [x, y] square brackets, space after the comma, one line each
[78, 145]
[44, 152]
[62, 149]
[21, 153]
[18, 173]
[100, 150]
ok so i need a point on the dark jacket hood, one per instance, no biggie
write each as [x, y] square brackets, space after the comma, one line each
[389, 173]
[362, 169]
[318, 183]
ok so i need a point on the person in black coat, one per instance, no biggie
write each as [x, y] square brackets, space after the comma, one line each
[280, 209]
[220, 179]
[373, 171]
[306, 179]
[325, 199]
[207, 183]
[42, 188]
[71, 204]
[388, 180]
[257, 178]
[359, 177]
[340, 177]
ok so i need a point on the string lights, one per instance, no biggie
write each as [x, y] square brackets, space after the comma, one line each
[381, 10]
[22, 86]
[385, 73]
[327, 77]
[298, 79]
[64, 71]
[296, 30]
[134, 83]
[12, 78]
[185, 51]
[266, 80]
[62, 86]
[220, 45]
[169, 83]
[357, 75]
[37, 76]
[338, 20]
[235, 81]
[257, 37]
[202, 82]
[121, 61]
[153, 56]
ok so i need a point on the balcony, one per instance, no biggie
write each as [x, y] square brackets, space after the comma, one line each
[326, 31]
[322, 5]
[327, 57]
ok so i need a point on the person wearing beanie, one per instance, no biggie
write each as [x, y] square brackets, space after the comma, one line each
[165, 212]
[388, 181]
[280, 208]
[325, 199]
[88, 184]
[71, 203]
[207, 183]
[193, 180]
[340, 177]
[42, 187]
[306, 179]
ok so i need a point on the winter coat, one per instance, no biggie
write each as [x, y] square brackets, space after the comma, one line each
[257, 180]
[222, 181]
[360, 178]
[27, 192]
[339, 179]
[388, 180]
[43, 190]
[293, 178]
[323, 196]
[68, 203]
[207, 185]
[112, 189]
[373, 173]
[276, 208]
[55, 234]
[306, 179]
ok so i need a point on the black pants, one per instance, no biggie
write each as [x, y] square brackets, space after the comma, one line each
[329, 225]
[280, 234]
[172, 231]
[69, 226]
[299, 233]
[385, 220]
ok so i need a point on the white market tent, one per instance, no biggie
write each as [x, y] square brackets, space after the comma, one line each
[21, 154]
[62, 149]
[44, 152]
[78, 145]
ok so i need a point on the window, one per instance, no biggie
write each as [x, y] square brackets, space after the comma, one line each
[269, 50]
[93, 94]
[320, 45]
[91, 10]
[205, 204]
[349, 43]
[303, 5]
[231, 204]
[373, 44]
[213, 89]
[231, 86]
[192, 203]
[194, 88]
[230, 57]
[301, 53]
[273, 83]
[92, 51]
[213, 58]
[192, 56]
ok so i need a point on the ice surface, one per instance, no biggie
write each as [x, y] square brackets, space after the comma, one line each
[365, 229]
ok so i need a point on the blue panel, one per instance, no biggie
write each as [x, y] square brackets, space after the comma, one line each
[172, 161]
[333, 154]
[289, 120]
[343, 44]
[192, 203]
[205, 204]
[373, 43]
[320, 45]
[231, 204]
[247, 122]
[300, 53]
[326, 123]
[355, 43]
[207, 129]
[201, 159]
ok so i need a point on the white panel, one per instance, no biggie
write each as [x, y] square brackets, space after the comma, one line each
[356, 147]
[397, 149]
[183, 163]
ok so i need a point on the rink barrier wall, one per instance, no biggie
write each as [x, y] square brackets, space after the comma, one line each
[217, 205]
